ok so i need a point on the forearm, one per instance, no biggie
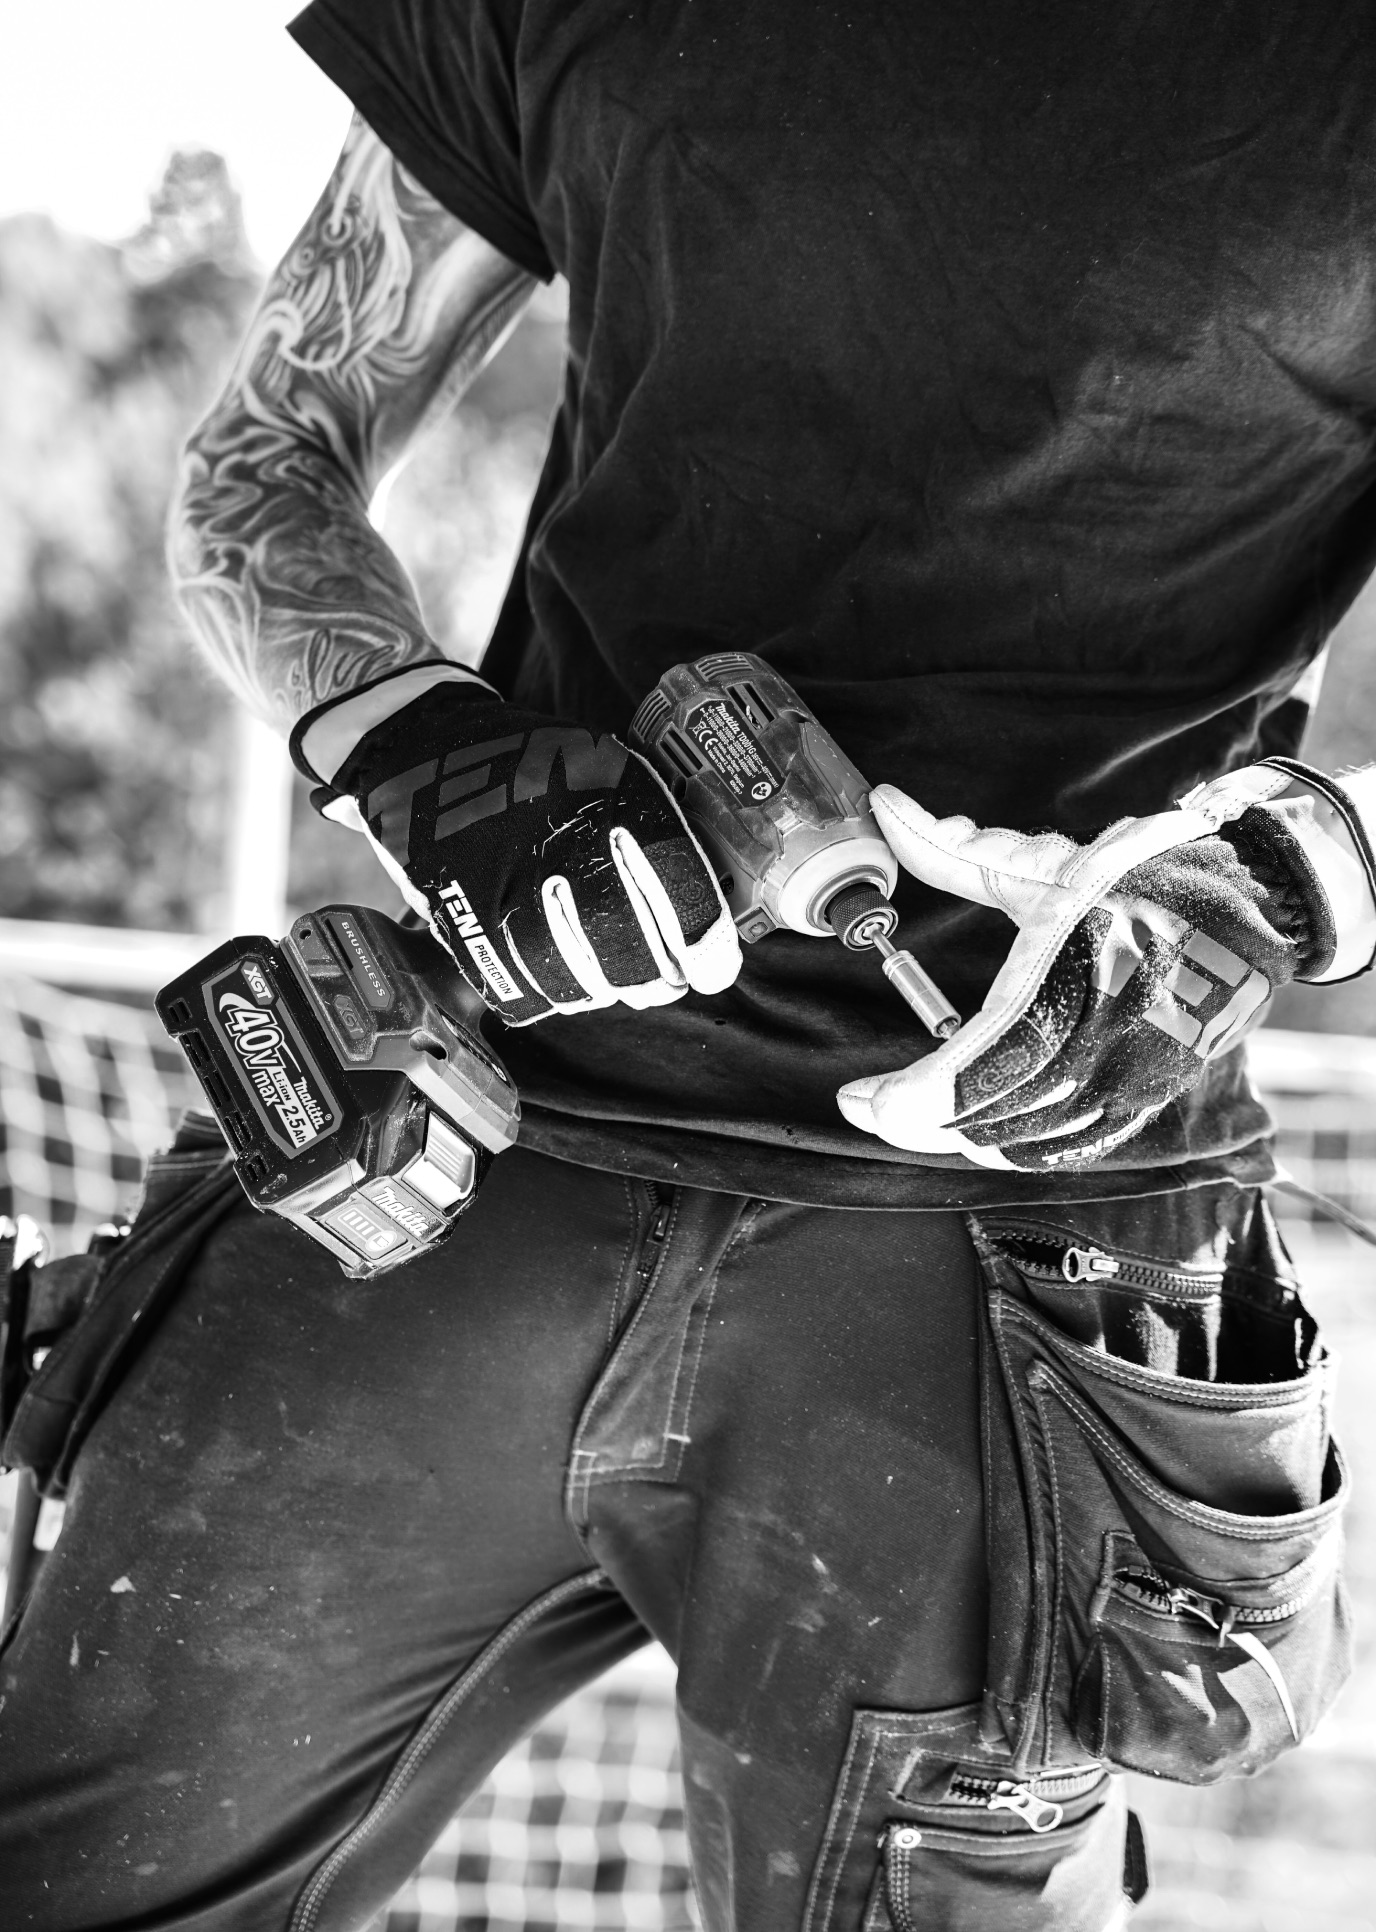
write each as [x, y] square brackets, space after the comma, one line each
[382, 311]
[286, 585]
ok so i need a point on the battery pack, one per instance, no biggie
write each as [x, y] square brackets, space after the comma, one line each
[357, 1101]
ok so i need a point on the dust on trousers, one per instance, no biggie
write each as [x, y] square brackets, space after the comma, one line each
[331, 1547]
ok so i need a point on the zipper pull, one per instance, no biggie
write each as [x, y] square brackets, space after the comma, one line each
[1088, 1264]
[1191, 1603]
[654, 1235]
[1038, 1814]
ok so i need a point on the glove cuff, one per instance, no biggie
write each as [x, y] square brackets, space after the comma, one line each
[1311, 871]
[326, 737]
[1296, 902]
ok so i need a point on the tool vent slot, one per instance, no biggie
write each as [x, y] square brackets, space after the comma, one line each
[651, 718]
[748, 698]
[681, 753]
[723, 667]
[193, 1047]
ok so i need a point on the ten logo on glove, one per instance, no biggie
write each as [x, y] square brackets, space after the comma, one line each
[1139, 958]
[554, 866]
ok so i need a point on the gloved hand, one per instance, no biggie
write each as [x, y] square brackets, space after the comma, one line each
[556, 868]
[1139, 958]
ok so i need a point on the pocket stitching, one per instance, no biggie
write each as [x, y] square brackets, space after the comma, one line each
[850, 1796]
[1180, 1390]
[1054, 1661]
[856, 1807]
[1252, 1529]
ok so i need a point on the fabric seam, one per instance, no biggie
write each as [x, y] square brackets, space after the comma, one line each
[307, 1909]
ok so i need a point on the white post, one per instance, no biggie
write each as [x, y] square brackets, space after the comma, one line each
[255, 898]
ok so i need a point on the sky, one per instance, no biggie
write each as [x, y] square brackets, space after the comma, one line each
[95, 94]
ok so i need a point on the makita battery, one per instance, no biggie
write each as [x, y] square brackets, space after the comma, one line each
[357, 1100]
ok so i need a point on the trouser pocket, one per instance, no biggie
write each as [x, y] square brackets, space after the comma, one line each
[1068, 1880]
[930, 1829]
[1164, 1497]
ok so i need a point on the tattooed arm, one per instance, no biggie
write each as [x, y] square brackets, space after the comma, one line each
[380, 314]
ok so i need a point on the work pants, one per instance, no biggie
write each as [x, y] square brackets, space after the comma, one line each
[332, 1547]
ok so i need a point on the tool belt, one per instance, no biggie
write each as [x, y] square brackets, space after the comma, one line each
[71, 1329]
[1162, 1514]
[1164, 1501]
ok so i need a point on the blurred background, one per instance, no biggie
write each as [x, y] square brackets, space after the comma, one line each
[155, 158]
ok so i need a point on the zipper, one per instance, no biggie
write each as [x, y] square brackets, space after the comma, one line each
[1049, 1257]
[1034, 1800]
[653, 1243]
[1174, 1599]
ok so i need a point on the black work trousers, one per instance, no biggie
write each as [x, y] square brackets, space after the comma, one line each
[333, 1546]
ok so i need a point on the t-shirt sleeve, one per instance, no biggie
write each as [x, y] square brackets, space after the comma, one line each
[435, 81]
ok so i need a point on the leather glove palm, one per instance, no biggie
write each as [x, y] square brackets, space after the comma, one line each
[1139, 958]
[556, 868]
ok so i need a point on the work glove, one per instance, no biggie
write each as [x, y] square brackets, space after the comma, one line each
[555, 867]
[1139, 958]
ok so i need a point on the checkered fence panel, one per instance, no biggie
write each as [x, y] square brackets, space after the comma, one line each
[88, 1089]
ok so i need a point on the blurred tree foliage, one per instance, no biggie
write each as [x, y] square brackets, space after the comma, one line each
[115, 739]
[112, 739]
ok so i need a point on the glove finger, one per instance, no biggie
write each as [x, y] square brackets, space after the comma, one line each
[540, 963]
[991, 866]
[593, 916]
[581, 957]
[1081, 1143]
[1027, 1068]
[682, 913]
[582, 960]
[913, 1108]
[572, 945]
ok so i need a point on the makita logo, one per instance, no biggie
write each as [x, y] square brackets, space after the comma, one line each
[403, 1212]
[468, 930]
[275, 1072]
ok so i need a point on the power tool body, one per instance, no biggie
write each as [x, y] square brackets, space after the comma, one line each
[782, 813]
[357, 1102]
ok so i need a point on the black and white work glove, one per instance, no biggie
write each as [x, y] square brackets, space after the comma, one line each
[1139, 958]
[555, 867]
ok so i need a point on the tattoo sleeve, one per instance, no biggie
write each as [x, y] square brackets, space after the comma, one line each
[380, 314]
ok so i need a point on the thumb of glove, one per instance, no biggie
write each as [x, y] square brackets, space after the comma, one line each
[990, 866]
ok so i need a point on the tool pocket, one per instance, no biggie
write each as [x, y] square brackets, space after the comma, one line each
[929, 1829]
[1164, 1499]
[1070, 1880]
[71, 1328]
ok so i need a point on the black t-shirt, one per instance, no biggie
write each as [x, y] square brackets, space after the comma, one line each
[1004, 372]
